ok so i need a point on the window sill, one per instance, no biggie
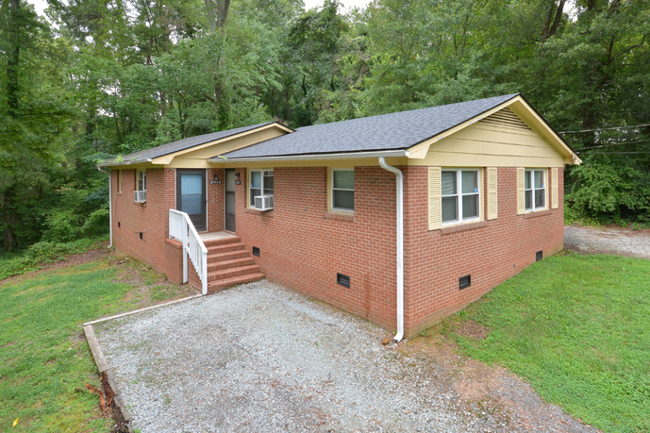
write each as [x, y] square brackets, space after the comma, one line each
[267, 213]
[462, 227]
[535, 214]
[339, 216]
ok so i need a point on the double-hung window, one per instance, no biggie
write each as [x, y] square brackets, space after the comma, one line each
[535, 190]
[343, 190]
[261, 183]
[461, 196]
[142, 180]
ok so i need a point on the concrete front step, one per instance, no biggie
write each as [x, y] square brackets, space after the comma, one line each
[233, 272]
[226, 248]
[231, 255]
[227, 264]
[217, 286]
[224, 241]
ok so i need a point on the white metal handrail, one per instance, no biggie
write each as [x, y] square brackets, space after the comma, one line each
[181, 228]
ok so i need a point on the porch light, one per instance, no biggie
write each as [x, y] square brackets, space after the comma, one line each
[236, 176]
[216, 177]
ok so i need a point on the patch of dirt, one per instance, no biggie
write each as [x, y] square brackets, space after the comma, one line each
[490, 391]
[73, 260]
[470, 328]
[616, 241]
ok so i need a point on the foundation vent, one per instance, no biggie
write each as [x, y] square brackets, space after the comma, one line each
[343, 280]
[464, 282]
[256, 251]
[539, 255]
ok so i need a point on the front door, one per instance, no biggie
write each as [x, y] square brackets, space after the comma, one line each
[190, 196]
[230, 200]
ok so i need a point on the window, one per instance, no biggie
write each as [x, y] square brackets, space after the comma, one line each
[119, 181]
[261, 183]
[343, 190]
[142, 181]
[535, 189]
[460, 195]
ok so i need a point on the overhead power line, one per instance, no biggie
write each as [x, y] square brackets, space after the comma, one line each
[605, 129]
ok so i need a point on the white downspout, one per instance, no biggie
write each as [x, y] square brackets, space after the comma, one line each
[110, 204]
[400, 247]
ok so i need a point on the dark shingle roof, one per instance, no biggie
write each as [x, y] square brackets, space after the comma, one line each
[185, 143]
[394, 131]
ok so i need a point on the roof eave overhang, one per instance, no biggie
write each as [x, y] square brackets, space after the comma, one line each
[130, 162]
[315, 157]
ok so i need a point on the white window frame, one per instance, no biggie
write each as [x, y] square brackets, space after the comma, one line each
[332, 189]
[144, 180]
[264, 172]
[531, 172]
[459, 194]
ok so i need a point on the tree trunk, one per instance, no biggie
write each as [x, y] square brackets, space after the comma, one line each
[217, 13]
[9, 219]
[13, 58]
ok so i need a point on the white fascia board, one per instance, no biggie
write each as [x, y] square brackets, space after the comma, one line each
[316, 157]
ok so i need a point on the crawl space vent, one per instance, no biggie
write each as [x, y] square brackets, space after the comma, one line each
[256, 251]
[464, 282]
[343, 280]
[539, 255]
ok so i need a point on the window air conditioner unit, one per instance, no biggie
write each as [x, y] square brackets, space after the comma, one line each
[140, 196]
[264, 202]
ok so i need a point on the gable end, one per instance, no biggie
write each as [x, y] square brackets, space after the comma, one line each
[506, 118]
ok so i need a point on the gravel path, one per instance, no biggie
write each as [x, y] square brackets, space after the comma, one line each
[261, 358]
[608, 241]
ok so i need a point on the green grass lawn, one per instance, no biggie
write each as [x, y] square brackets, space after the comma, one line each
[577, 328]
[44, 357]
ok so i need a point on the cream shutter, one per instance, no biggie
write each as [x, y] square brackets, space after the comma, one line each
[435, 199]
[521, 190]
[492, 189]
[554, 189]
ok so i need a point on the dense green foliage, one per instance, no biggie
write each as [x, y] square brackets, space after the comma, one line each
[99, 78]
[45, 361]
[575, 328]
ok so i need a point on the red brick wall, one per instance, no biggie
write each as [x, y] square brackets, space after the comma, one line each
[149, 218]
[152, 218]
[303, 246]
[491, 254]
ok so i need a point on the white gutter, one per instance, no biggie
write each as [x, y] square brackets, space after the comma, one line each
[317, 156]
[110, 204]
[400, 247]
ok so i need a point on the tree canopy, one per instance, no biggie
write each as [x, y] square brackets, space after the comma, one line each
[98, 78]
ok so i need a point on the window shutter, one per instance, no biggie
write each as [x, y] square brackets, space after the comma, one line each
[521, 190]
[435, 193]
[492, 189]
[554, 190]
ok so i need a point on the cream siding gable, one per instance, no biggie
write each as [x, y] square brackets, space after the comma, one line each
[196, 157]
[435, 198]
[500, 140]
[492, 191]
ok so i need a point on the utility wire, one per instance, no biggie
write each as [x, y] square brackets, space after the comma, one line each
[605, 129]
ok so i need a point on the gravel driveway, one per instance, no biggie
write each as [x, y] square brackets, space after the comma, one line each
[632, 243]
[259, 358]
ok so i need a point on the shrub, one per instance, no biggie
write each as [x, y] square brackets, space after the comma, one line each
[97, 223]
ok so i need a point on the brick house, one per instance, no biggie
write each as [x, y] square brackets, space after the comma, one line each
[401, 218]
